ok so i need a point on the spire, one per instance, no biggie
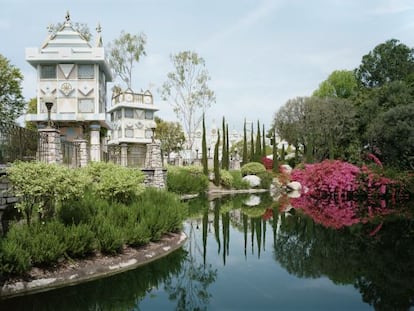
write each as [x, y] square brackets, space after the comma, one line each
[98, 41]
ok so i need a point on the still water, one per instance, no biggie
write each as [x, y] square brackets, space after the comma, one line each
[242, 253]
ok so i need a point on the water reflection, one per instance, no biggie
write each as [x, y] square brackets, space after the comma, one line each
[239, 250]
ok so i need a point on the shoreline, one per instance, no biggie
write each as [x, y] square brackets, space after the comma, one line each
[92, 268]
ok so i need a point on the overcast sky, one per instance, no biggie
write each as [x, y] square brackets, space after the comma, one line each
[259, 53]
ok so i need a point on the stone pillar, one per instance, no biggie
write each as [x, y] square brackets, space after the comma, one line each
[153, 162]
[124, 155]
[95, 142]
[50, 150]
[83, 152]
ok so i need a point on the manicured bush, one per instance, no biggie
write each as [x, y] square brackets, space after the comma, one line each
[47, 243]
[110, 239]
[186, 179]
[226, 179]
[80, 210]
[14, 258]
[238, 182]
[41, 187]
[114, 182]
[160, 211]
[79, 240]
[252, 168]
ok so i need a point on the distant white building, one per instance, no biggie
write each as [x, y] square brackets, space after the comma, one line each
[133, 125]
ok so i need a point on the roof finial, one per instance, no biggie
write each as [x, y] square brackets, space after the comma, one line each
[50, 28]
[99, 28]
[67, 17]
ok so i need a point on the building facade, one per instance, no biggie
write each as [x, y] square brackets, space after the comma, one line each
[72, 76]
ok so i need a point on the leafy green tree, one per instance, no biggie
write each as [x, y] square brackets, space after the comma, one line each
[187, 91]
[389, 61]
[204, 149]
[124, 52]
[392, 132]
[216, 160]
[170, 134]
[11, 99]
[31, 108]
[340, 83]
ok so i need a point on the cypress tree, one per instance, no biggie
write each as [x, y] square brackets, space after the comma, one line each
[216, 161]
[223, 148]
[227, 148]
[258, 152]
[282, 156]
[204, 148]
[245, 155]
[275, 165]
[251, 145]
[263, 143]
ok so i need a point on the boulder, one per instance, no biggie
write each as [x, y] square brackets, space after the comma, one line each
[253, 180]
[294, 186]
[286, 168]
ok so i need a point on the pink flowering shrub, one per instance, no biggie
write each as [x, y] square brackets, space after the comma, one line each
[268, 163]
[331, 193]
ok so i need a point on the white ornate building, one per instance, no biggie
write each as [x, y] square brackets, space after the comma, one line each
[72, 74]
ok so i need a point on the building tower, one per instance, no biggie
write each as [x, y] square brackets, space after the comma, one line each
[72, 74]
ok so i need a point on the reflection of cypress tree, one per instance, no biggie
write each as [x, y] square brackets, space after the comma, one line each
[217, 226]
[225, 222]
[205, 227]
[245, 229]
[264, 234]
[204, 149]
[252, 228]
[258, 225]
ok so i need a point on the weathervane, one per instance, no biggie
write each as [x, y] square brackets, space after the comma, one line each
[67, 17]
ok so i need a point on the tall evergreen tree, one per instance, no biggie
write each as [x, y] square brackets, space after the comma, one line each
[251, 145]
[245, 155]
[223, 147]
[258, 151]
[282, 156]
[204, 148]
[263, 142]
[216, 161]
[227, 148]
[275, 165]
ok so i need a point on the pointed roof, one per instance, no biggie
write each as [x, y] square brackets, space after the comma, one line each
[66, 36]
[69, 46]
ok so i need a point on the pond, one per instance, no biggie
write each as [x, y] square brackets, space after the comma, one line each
[242, 253]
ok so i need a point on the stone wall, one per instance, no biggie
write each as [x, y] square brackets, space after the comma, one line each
[7, 199]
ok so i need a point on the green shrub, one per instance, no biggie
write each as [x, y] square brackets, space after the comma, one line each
[186, 180]
[110, 238]
[47, 242]
[238, 182]
[14, 258]
[226, 179]
[266, 179]
[43, 186]
[252, 168]
[160, 211]
[81, 210]
[79, 240]
[114, 182]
